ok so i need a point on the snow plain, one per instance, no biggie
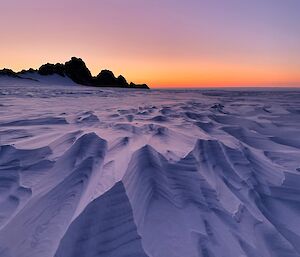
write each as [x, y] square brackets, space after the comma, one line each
[130, 173]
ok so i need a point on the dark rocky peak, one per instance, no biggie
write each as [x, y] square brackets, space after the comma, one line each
[12, 74]
[8, 72]
[76, 70]
[141, 86]
[50, 69]
[122, 81]
[106, 78]
[27, 71]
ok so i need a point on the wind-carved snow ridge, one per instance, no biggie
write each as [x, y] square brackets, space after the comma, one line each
[206, 173]
[216, 201]
[13, 195]
[105, 228]
[38, 227]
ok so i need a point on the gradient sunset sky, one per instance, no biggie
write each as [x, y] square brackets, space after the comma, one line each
[159, 42]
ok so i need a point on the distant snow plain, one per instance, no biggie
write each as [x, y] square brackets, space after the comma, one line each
[130, 173]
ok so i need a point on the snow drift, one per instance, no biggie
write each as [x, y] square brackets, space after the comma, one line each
[87, 172]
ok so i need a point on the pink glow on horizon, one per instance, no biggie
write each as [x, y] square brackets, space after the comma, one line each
[162, 43]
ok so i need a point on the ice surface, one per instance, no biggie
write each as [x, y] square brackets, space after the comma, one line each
[179, 173]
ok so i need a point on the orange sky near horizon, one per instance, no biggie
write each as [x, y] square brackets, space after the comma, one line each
[164, 44]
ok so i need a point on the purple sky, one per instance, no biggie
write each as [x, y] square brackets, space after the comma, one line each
[166, 42]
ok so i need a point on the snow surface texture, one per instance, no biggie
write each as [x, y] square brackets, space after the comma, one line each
[131, 173]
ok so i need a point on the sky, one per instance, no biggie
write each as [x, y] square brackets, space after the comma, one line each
[164, 43]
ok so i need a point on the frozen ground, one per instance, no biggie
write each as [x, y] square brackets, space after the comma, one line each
[121, 173]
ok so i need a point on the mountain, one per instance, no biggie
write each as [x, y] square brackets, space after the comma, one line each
[77, 71]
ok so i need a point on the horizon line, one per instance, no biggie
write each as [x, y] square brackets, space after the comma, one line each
[297, 86]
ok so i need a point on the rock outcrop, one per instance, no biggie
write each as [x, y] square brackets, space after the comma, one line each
[107, 78]
[77, 71]
[8, 72]
[142, 86]
[50, 69]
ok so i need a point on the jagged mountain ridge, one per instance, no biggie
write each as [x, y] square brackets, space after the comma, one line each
[77, 71]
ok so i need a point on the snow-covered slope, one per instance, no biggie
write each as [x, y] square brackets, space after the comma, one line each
[35, 79]
[87, 172]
